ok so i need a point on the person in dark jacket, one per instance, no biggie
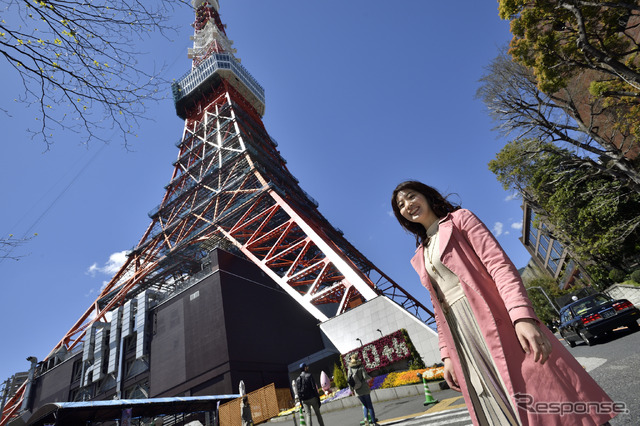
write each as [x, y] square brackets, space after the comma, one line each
[307, 393]
[245, 412]
[361, 389]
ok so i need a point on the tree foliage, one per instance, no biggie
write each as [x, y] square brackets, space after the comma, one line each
[79, 64]
[523, 111]
[561, 40]
[536, 289]
[593, 214]
[616, 275]
[339, 378]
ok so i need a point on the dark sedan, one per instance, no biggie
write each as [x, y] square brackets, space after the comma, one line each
[590, 317]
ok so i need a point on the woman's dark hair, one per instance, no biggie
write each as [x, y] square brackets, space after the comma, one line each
[438, 203]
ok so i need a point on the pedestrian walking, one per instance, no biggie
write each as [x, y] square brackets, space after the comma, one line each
[358, 380]
[511, 370]
[307, 392]
[245, 411]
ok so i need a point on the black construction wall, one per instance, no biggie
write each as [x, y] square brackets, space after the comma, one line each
[54, 385]
[237, 324]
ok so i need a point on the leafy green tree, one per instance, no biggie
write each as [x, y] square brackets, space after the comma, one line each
[594, 215]
[339, 378]
[536, 289]
[616, 275]
[562, 39]
[525, 113]
[79, 64]
[635, 276]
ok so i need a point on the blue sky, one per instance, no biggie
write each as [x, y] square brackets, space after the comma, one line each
[360, 95]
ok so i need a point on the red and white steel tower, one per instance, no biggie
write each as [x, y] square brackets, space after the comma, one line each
[230, 188]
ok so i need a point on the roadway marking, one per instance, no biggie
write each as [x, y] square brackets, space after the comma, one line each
[439, 418]
[445, 404]
[590, 363]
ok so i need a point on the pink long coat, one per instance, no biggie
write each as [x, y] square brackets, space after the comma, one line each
[498, 298]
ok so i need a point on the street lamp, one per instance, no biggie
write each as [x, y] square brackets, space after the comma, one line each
[358, 339]
[380, 331]
[545, 295]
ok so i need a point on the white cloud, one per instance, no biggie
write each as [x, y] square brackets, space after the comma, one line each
[517, 225]
[93, 269]
[497, 229]
[116, 260]
[512, 197]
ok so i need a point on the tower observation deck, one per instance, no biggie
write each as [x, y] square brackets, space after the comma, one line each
[230, 189]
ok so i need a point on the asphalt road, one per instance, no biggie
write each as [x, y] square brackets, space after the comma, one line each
[614, 362]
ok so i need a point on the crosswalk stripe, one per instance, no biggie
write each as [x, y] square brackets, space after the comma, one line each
[590, 363]
[437, 419]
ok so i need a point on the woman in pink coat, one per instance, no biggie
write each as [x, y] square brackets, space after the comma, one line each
[511, 370]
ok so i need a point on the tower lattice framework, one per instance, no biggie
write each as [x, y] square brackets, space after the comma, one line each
[230, 188]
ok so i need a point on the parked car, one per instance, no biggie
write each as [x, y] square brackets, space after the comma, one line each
[592, 316]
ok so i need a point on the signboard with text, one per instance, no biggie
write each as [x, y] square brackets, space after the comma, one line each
[380, 353]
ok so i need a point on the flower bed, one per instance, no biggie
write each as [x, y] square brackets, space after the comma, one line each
[377, 381]
[410, 377]
[337, 395]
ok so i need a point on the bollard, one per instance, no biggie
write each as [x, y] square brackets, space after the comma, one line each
[362, 422]
[428, 398]
[303, 422]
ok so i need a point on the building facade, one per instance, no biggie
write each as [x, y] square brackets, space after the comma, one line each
[202, 339]
[549, 255]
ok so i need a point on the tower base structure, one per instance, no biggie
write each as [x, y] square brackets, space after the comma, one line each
[379, 317]
[355, 329]
[206, 335]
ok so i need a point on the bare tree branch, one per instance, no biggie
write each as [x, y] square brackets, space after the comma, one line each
[79, 64]
[10, 244]
[510, 92]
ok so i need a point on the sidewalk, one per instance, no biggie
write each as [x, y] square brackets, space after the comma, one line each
[390, 405]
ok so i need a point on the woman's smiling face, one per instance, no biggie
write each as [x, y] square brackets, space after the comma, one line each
[414, 207]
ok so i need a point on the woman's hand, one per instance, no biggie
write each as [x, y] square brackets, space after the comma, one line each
[532, 339]
[450, 375]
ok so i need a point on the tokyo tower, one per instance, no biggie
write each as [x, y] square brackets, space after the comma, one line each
[231, 189]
